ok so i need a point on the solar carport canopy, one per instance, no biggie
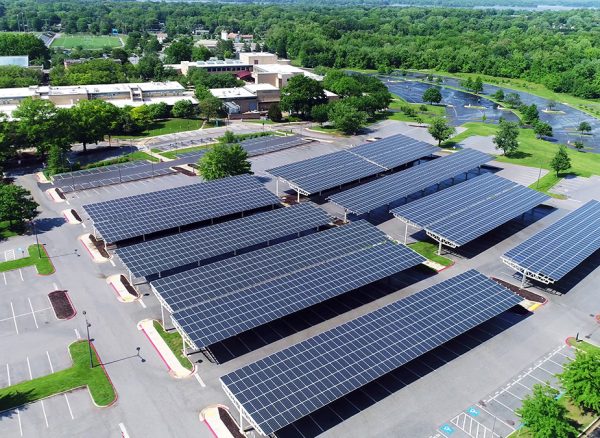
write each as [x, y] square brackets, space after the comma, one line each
[327, 171]
[456, 199]
[233, 314]
[159, 255]
[558, 249]
[391, 188]
[465, 226]
[196, 286]
[135, 216]
[292, 383]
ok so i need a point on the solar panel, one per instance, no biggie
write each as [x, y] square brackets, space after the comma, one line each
[98, 170]
[272, 143]
[391, 188]
[460, 228]
[327, 171]
[558, 249]
[294, 382]
[158, 255]
[227, 316]
[208, 282]
[456, 199]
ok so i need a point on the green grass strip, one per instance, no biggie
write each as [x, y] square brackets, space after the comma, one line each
[37, 257]
[584, 346]
[175, 343]
[6, 230]
[429, 251]
[174, 154]
[80, 374]
[546, 183]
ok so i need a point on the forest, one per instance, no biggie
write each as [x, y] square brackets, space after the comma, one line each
[560, 50]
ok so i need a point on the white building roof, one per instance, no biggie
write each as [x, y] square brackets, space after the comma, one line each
[285, 69]
[232, 93]
[20, 61]
[260, 87]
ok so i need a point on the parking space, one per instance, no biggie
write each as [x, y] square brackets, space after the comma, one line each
[21, 314]
[494, 416]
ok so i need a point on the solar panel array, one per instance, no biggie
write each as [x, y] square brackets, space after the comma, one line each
[562, 246]
[391, 188]
[134, 216]
[462, 227]
[190, 288]
[148, 171]
[440, 205]
[292, 383]
[98, 170]
[272, 143]
[159, 255]
[233, 314]
[327, 171]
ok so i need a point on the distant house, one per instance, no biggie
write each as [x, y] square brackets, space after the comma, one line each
[19, 61]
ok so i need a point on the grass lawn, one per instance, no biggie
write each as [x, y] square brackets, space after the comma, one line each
[7, 231]
[584, 346]
[168, 126]
[80, 374]
[175, 153]
[133, 156]
[43, 264]
[87, 41]
[431, 112]
[429, 250]
[329, 129]
[175, 343]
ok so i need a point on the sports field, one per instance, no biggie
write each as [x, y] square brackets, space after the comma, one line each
[86, 41]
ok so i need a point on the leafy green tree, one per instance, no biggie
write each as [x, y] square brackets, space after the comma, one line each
[544, 415]
[201, 53]
[150, 67]
[224, 49]
[228, 137]
[530, 114]
[432, 95]
[542, 129]
[141, 116]
[346, 117]
[506, 137]
[300, 94]
[180, 50]
[512, 100]
[120, 54]
[159, 110]
[92, 120]
[342, 84]
[184, 109]
[16, 204]
[584, 127]
[561, 160]
[210, 107]
[274, 113]
[551, 105]
[38, 124]
[440, 130]
[57, 160]
[581, 380]
[222, 161]
[467, 84]
[477, 85]
[579, 145]
[320, 113]
[498, 95]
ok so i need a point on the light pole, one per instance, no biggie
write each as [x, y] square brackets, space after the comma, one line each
[37, 242]
[87, 328]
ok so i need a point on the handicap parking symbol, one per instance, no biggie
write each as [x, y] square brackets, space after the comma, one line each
[473, 412]
[447, 429]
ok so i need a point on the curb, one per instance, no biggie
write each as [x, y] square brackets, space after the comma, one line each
[447, 267]
[109, 380]
[567, 342]
[70, 302]
[48, 257]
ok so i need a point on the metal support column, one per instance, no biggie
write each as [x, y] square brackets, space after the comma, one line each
[440, 248]
[523, 279]
[405, 232]
[345, 216]
[298, 197]
[277, 186]
[162, 316]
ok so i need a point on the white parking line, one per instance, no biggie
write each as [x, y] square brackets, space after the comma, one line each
[29, 368]
[142, 303]
[44, 411]
[200, 381]
[24, 314]
[123, 430]
[55, 286]
[21, 274]
[8, 374]
[112, 262]
[83, 225]
[5, 282]
[69, 406]
[14, 316]
[77, 334]
[33, 313]
[49, 361]
[19, 418]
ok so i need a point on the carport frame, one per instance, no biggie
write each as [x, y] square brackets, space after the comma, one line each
[526, 272]
[243, 413]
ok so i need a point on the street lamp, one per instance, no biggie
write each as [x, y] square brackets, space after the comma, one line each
[87, 328]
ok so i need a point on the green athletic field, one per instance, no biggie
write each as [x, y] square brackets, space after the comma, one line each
[86, 41]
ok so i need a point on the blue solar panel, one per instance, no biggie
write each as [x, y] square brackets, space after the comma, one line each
[227, 316]
[391, 188]
[292, 383]
[394, 151]
[558, 249]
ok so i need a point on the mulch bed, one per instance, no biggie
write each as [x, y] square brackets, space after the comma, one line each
[129, 287]
[76, 215]
[290, 199]
[61, 194]
[184, 171]
[63, 308]
[526, 294]
[99, 244]
[230, 423]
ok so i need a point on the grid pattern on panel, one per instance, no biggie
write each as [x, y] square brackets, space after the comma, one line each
[292, 383]
[394, 151]
[384, 191]
[169, 252]
[139, 223]
[456, 199]
[228, 316]
[98, 170]
[208, 282]
[461, 228]
[558, 249]
[264, 145]
[115, 179]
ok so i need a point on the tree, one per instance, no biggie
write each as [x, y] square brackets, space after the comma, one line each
[224, 160]
[498, 95]
[584, 127]
[579, 145]
[542, 129]
[210, 106]
[91, 120]
[38, 124]
[201, 53]
[477, 85]
[512, 100]
[159, 110]
[228, 137]
[57, 160]
[561, 160]
[506, 137]
[300, 94]
[274, 113]
[178, 51]
[440, 130]
[320, 113]
[346, 117]
[530, 114]
[551, 104]
[581, 380]
[432, 95]
[16, 204]
[184, 109]
[467, 84]
[544, 415]
[141, 116]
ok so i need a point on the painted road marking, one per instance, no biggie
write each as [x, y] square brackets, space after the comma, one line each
[55, 286]
[21, 274]
[23, 314]
[33, 313]
[14, 316]
[142, 303]
[199, 379]
[473, 412]
[77, 334]
[19, 418]
[69, 406]
[8, 374]
[447, 429]
[29, 368]
[5, 282]
[83, 225]
[44, 411]
[123, 430]
[49, 361]
[112, 262]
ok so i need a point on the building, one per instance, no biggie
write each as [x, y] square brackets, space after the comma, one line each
[257, 58]
[232, 66]
[19, 61]
[279, 74]
[251, 97]
[118, 94]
